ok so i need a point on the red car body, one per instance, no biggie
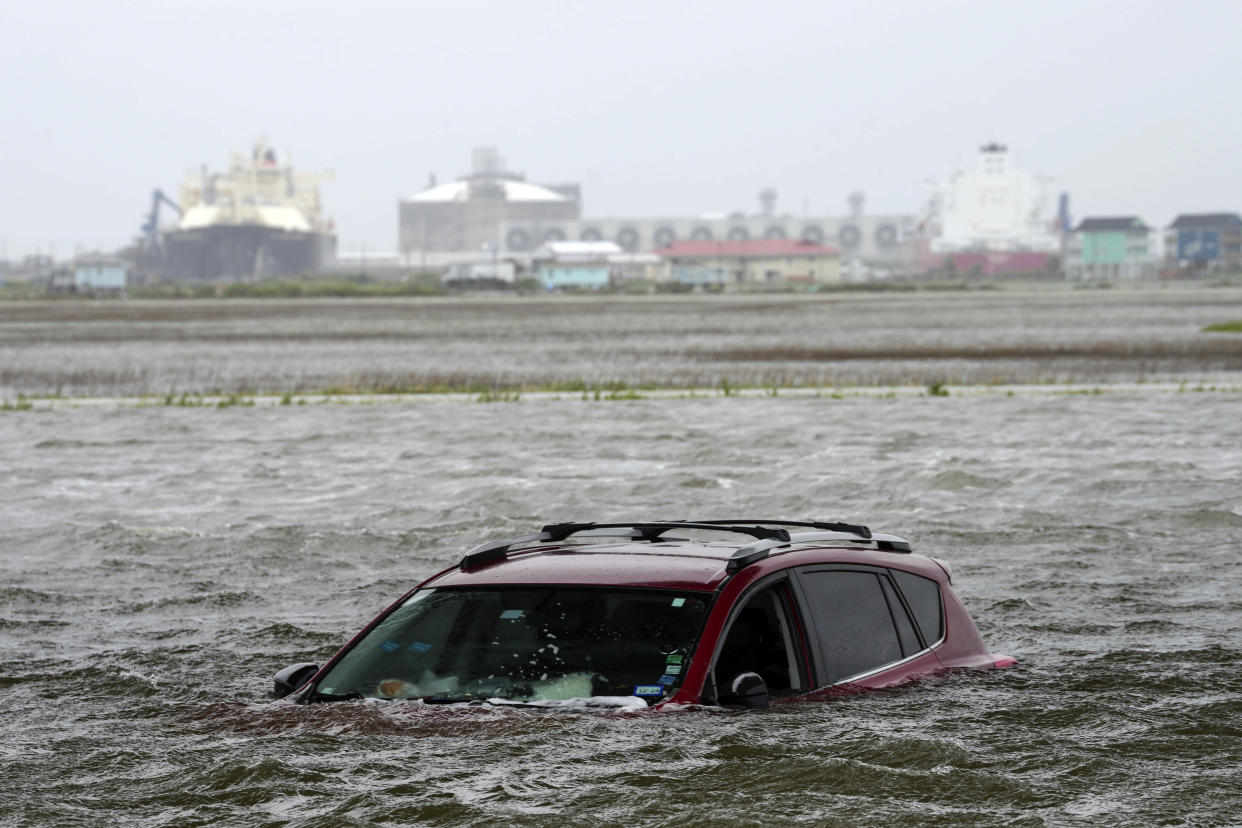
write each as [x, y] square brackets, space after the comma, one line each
[808, 609]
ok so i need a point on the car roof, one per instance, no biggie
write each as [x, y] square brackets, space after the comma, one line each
[671, 563]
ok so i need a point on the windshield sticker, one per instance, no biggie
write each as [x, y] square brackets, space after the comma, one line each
[648, 690]
[390, 646]
[666, 680]
[419, 647]
[512, 615]
[679, 602]
[673, 669]
[674, 658]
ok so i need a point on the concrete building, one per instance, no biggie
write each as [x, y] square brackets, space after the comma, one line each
[1205, 241]
[879, 239]
[751, 262]
[1110, 248]
[490, 206]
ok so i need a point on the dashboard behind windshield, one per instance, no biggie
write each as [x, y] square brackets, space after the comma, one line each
[524, 644]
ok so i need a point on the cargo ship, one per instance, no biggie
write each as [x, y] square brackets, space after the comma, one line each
[258, 220]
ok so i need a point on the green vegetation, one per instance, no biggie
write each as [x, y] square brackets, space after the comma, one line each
[425, 285]
[1225, 327]
[937, 389]
[174, 291]
[309, 287]
[493, 395]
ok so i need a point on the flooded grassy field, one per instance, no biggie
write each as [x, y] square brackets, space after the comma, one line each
[158, 564]
[158, 348]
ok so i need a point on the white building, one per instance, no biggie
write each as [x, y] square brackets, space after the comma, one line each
[993, 207]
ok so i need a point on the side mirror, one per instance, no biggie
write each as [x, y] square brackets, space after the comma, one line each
[291, 678]
[746, 689]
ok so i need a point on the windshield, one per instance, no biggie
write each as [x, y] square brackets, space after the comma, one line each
[524, 644]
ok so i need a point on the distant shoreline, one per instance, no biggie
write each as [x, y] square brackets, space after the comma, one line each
[424, 287]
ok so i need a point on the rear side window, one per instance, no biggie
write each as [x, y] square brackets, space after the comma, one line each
[852, 622]
[923, 597]
[905, 630]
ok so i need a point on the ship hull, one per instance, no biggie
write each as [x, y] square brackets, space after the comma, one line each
[243, 253]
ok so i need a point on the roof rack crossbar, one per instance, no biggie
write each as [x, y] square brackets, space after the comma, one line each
[826, 525]
[652, 531]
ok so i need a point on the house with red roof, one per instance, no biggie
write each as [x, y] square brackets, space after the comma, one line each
[751, 262]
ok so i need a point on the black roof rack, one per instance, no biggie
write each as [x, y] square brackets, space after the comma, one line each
[766, 539]
[826, 525]
[647, 531]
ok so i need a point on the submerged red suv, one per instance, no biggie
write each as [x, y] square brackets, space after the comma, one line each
[659, 613]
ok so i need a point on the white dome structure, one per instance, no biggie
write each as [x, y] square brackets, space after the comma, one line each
[514, 190]
[474, 211]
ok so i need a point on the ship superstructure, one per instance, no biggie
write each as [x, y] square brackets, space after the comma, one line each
[993, 207]
[260, 219]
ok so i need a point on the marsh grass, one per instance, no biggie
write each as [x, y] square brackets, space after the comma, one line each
[1225, 327]
[178, 352]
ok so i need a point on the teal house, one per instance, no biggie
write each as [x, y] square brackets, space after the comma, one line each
[99, 276]
[1107, 249]
[575, 265]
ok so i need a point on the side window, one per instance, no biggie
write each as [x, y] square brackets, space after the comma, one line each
[905, 630]
[852, 622]
[923, 596]
[761, 640]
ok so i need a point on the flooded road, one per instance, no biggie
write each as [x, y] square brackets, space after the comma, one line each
[158, 564]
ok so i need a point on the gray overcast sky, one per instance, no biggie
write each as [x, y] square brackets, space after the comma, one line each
[655, 107]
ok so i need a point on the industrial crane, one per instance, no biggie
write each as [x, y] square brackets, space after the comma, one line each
[151, 227]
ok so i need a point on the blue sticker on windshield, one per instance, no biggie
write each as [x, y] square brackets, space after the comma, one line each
[390, 646]
[419, 647]
[679, 602]
[666, 680]
[511, 615]
[648, 690]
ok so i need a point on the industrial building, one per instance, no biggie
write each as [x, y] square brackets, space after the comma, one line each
[473, 212]
[497, 208]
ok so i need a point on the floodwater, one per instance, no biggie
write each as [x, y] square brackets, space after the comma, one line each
[117, 348]
[160, 563]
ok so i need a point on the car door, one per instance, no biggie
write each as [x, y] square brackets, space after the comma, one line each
[857, 621]
[764, 635]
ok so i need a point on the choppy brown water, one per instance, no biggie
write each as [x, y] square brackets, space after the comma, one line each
[157, 565]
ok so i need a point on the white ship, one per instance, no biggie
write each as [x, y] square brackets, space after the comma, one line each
[258, 220]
